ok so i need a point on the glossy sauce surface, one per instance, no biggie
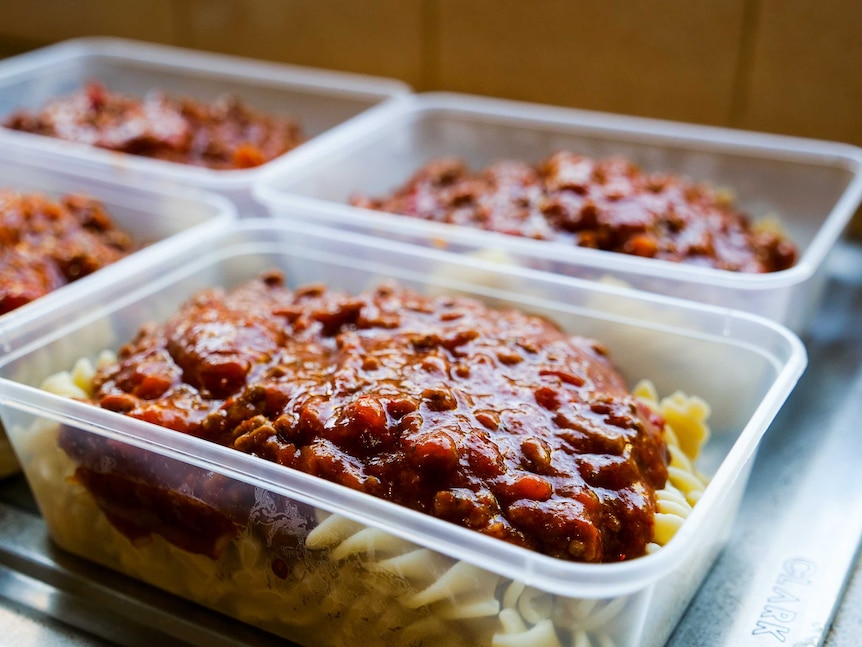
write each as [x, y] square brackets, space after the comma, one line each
[491, 419]
[607, 204]
[45, 244]
[224, 134]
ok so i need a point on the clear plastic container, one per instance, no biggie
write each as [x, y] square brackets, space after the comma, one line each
[319, 99]
[812, 187]
[355, 567]
[162, 221]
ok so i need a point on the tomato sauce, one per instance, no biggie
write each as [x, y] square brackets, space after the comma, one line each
[607, 204]
[492, 419]
[225, 134]
[46, 244]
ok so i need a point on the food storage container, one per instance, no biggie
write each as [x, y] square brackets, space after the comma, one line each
[322, 564]
[320, 100]
[159, 221]
[811, 187]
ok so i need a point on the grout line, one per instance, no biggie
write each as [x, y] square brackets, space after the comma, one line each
[429, 46]
[741, 92]
[178, 23]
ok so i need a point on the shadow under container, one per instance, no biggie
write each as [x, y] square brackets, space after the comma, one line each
[322, 564]
[159, 222]
[811, 187]
[320, 100]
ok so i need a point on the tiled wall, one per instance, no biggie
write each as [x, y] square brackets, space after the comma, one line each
[786, 66]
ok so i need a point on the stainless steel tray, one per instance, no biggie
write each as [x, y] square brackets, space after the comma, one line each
[789, 575]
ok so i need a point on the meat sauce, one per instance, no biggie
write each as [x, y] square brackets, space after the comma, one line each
[225, 134]
[491, 419]
[607, 204]
[46, 244]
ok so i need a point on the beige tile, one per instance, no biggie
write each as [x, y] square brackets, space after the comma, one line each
[381, 37]
[673, 59]
[45, 21]
[805, 75]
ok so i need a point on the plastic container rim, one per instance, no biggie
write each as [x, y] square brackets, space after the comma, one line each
[553, 575]
[522, 114]
[174, 58]
[224, 212]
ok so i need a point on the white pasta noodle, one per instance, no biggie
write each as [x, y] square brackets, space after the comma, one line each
[480, 608]
[63, 384]
[685, 415]
[466, 276]
[370, 541]
[602, 614]
[512, 593]
[463, 579]
[686, 431]
[511, 622]
[357, 580]
[535, 605]
[420, 565]
[77, 383]
[331, 531]
[516, 634]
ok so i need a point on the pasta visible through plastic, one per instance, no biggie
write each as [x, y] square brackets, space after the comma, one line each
[362, 579]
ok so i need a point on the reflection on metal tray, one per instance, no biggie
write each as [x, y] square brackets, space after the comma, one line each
[794, 545]
[779, 581]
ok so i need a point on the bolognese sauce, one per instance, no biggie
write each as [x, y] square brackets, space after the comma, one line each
[608, 204]
[492, 419]
[224, 134]
[45, 244]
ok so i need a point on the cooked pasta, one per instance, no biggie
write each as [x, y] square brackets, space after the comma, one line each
[351, 580]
